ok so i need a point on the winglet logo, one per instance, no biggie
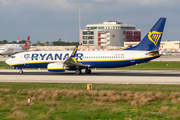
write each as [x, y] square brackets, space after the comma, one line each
[154, 36]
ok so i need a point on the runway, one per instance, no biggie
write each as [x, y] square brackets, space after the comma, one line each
[97, 76]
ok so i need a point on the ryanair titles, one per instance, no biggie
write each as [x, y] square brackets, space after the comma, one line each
[51, 56]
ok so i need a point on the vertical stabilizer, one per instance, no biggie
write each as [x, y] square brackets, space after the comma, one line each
[18, 40]
[27, 44]
[152, 40]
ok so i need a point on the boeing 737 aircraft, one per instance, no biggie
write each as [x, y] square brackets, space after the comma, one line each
[59, 61]
[11, 49]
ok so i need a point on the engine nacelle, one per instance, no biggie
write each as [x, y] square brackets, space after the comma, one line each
[55, 67]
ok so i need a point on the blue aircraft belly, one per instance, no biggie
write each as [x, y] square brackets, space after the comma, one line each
[34, 65]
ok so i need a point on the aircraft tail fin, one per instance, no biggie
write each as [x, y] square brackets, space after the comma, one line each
[27, 44]
[18, 40]
[152, 40]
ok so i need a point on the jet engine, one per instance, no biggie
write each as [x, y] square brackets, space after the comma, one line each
[55, 67]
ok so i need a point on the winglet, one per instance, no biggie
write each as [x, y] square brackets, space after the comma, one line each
[73, 55]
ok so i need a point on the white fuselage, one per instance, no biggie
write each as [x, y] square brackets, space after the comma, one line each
[92, 59]
[10, 49]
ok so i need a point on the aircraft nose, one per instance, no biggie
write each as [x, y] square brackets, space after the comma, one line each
[8, 61]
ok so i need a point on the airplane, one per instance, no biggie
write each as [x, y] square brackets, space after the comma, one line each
[60, 61]
[11, 49]
[17, 43]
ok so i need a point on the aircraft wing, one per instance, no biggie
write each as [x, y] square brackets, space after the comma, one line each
[71, 61]
[15, 52]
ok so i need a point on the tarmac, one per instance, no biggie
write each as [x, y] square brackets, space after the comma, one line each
[97, 76]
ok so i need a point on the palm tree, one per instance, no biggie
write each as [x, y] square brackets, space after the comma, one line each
[113, 38]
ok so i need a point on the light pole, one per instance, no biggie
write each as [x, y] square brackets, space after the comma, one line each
[79, 22]
[46, 41]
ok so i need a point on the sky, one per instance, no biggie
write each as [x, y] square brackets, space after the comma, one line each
[59, 19]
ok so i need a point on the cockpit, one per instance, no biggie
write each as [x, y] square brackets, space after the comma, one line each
[13, 56]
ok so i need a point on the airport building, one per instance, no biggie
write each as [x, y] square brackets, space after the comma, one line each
[110, 33]
[164, 44]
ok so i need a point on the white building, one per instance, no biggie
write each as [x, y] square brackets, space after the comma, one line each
[110, 33]
[163, 45]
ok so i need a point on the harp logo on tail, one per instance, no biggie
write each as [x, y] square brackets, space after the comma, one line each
[154, 36]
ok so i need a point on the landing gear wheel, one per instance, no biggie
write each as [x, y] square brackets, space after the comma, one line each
[21, 72]
[88, 71]
[78, 72]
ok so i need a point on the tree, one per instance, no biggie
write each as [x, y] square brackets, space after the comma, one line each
[22, 41]
[62, 43]
[39, 43]
[14, 42]
[113, 39]
[4, 41]
[46, 43]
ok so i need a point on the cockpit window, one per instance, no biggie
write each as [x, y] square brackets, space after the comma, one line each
[13, 56]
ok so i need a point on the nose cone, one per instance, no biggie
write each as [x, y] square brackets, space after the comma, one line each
[8, 61]
[2, 50]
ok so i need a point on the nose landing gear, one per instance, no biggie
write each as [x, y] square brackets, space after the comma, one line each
[21, 71]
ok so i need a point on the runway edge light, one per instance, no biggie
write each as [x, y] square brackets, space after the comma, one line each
[89, 86]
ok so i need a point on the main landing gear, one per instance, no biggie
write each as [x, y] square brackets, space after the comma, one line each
[78, 71]
[88, 71]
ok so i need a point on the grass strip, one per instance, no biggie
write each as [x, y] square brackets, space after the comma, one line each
[72, 101]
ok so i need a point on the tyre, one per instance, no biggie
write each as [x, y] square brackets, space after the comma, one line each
[78, 72]
[21, 72]
[87, 71]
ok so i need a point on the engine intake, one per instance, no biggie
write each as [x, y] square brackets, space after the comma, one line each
[55, 67]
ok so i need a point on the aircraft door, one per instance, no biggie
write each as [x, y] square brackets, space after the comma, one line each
[21, 58]
[132, 57]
